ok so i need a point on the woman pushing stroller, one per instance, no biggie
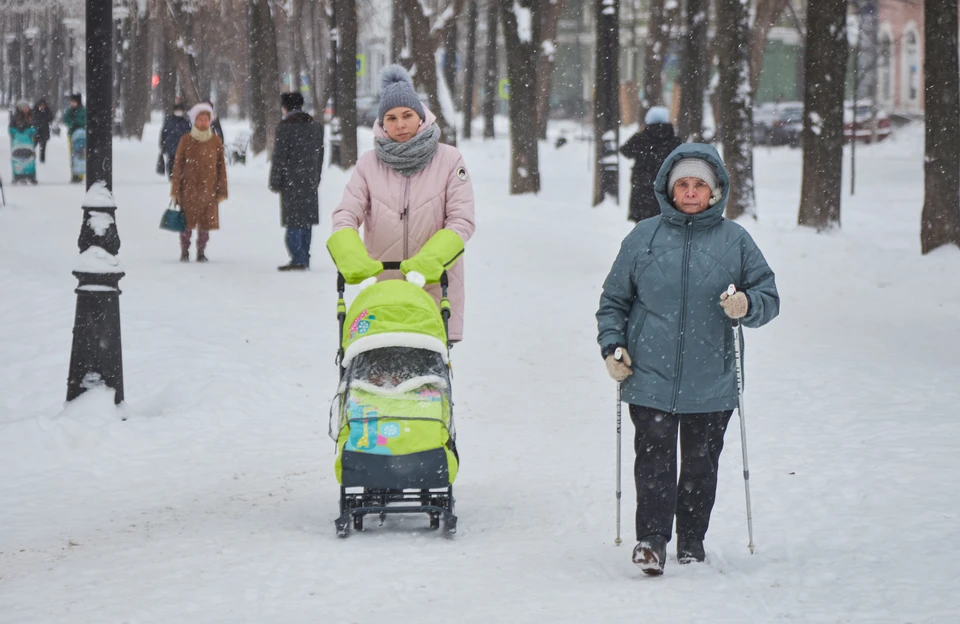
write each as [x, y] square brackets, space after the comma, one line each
[413, 197]
[665, 306]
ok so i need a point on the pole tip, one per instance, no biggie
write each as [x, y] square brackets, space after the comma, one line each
[618, 541]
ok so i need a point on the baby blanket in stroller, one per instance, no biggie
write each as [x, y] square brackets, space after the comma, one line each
[395, 436]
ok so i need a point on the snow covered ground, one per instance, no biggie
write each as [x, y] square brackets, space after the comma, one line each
[214, 501]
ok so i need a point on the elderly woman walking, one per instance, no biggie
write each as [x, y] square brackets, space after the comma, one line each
[199, 181]
[665, 304]
[413, 197]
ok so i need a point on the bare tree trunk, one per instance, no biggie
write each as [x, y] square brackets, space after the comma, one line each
[469, 81]
[450, 52]
[134, 81]
[940, 222]
[258, 111]
[767, 14]
[655, 51]
[424, 47]
[606, 101]
[347, 81]
[736, 110]
[45, 49]
[176, 30]
[168, 75]
[490, 71]
[296, 44]
[693, 72]
[398, 33]
[270, 76]
[523, 51]
[29, 62]
[825, 68]
[548, 57]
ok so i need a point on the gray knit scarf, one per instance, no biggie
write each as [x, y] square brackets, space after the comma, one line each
[410, 157]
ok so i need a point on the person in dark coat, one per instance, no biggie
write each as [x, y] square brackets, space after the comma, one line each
[42, 118]
[667, 307]
[174, 127]
[648, 148]
[295, 174]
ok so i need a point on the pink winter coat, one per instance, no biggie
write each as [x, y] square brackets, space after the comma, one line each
[400, 214]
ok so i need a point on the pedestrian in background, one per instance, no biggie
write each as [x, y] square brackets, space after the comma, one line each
[42, 118]
[174, 127]
[75, 119]
[648, 148]
[295, 170]
[199, 181]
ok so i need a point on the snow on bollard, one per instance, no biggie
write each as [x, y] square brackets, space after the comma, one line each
[96, 356]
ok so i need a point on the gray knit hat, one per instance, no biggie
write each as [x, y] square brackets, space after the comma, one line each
[396, 89]
[692, 168]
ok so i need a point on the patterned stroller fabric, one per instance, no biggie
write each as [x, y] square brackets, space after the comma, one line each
[392, 417]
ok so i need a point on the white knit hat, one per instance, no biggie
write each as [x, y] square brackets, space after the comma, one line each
[200, 108]
[692, 168]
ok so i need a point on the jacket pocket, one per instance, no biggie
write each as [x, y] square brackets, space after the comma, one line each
[634, 331]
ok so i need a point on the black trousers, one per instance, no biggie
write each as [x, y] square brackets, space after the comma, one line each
[42, 144]
[659, 494]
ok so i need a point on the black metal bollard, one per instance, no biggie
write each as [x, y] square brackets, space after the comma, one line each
[96, 357]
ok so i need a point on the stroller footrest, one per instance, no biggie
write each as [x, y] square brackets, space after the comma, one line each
[427, 469]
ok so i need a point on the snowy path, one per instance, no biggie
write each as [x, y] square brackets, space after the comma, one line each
[215, 500]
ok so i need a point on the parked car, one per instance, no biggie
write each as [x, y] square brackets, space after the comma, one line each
[778, 123]
[763, 116]
[872, 124]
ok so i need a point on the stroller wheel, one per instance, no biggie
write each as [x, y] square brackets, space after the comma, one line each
[450, 525]
[358, 522]
[343, 528]
[434, 521]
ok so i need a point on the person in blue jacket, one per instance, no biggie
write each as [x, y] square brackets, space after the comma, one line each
[174, 127]
[664, 304]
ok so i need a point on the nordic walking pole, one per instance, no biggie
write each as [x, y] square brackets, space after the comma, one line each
[618, 355]
[731, 290]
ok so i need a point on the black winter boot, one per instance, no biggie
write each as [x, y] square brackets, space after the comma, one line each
[650, 554]
[201, 257]
[184, 255]
[690, 550]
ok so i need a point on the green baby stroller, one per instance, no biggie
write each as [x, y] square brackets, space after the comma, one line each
[392, 417]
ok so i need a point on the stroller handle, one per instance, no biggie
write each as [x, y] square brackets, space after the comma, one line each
[390, 266]
[395, 266]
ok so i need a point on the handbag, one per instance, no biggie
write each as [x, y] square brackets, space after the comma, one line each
[173, 219]
[161, 165]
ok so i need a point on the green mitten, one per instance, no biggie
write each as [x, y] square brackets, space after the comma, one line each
[351, 257]
[439, 254]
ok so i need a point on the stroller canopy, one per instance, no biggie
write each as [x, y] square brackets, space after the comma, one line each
[393, 313]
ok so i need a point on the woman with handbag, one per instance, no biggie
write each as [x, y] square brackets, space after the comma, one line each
[199, 181]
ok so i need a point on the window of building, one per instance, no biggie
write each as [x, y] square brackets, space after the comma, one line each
[910, 53]
[885, 69]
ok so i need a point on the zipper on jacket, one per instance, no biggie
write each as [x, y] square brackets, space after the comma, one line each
[683, 309]
[405, 217]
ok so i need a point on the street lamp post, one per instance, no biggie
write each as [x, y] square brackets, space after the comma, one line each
[96, 358]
